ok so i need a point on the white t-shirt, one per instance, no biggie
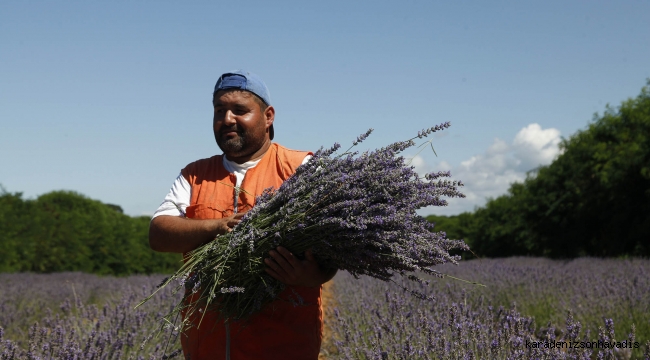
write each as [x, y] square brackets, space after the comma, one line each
[180, 194]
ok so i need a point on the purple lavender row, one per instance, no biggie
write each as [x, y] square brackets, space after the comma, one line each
[377, 320]
[82, 316]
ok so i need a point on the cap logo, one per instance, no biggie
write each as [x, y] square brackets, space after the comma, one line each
[233, 81]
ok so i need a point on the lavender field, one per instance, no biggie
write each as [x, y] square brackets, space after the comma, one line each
[81, 316]
[525, 300]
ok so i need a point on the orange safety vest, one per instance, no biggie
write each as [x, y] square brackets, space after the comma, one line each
[280, 330]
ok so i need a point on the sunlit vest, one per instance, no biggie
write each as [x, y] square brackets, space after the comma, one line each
[281, 330]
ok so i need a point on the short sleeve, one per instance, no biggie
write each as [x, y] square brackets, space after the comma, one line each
[177, 199]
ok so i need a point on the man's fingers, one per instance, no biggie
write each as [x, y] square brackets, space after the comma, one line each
[274, 274]
[281, 261]
[289, 257]
[232, 223]
[309, 255]
[271, 264]
[234, 219]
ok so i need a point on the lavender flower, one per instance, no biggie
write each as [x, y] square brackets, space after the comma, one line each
[369, 318]
[36, 328]
[357, 212]
[232, 289]
[461, 322]
[362, 137]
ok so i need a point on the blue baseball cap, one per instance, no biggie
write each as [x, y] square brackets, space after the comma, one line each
[244, 80]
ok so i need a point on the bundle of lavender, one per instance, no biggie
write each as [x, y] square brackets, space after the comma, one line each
[357, 212]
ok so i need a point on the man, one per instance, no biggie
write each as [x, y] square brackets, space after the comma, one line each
[205, 201]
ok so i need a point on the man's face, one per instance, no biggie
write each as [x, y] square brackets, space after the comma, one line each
[239, 124]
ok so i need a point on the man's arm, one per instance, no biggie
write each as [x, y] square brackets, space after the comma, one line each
[180, 235]
[289, 270]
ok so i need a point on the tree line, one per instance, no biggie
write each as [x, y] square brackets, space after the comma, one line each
[66, 231]
[593, 200]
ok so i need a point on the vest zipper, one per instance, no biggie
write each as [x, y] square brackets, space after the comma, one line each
[236, 194]
[235, 203]
[227, 340]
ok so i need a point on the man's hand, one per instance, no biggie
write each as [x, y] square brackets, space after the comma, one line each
[289, 270]
[180, 235]
[225, 225]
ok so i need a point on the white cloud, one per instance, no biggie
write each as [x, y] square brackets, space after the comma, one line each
[534, 146]
[490, 174]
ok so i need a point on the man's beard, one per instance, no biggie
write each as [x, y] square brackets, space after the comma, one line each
[232, 146]
[238, 146]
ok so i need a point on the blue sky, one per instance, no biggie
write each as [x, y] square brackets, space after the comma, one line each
[112, 99]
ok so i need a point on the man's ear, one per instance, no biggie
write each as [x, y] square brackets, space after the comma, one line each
[269, 116]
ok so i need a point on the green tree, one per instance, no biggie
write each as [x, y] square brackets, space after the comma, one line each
[13, 227]
[65, 231]
[594, 199]
[455, 226]
[500, 228]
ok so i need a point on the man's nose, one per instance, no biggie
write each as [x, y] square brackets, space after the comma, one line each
[229, 118]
